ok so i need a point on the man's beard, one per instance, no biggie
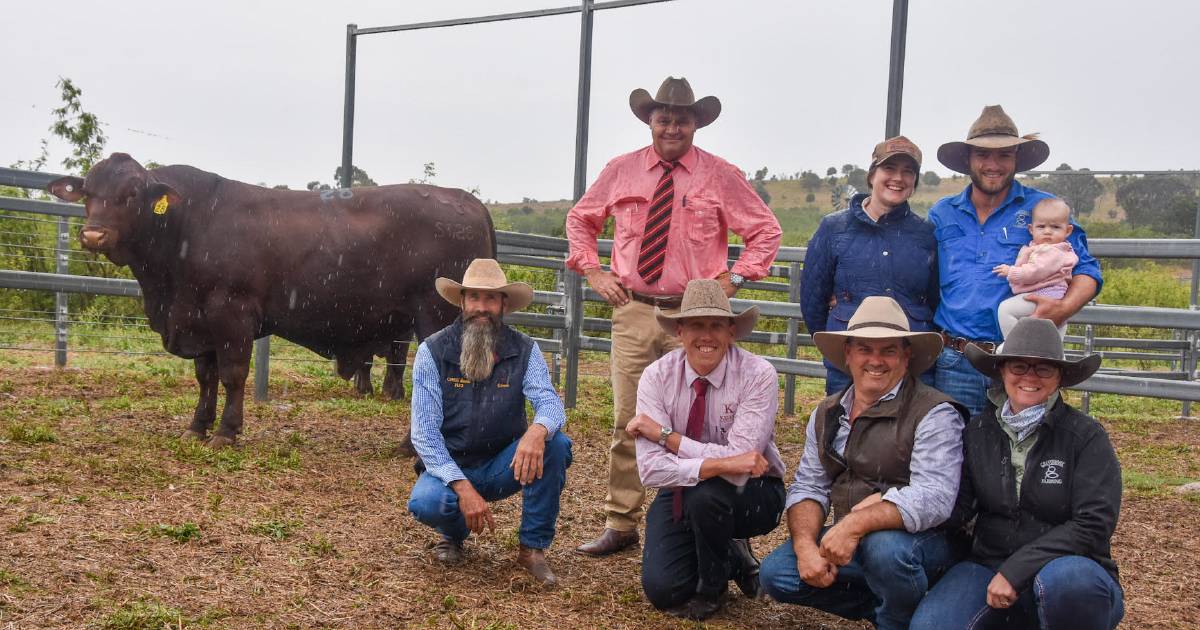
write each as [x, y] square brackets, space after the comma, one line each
[478, 354]
[977, 181]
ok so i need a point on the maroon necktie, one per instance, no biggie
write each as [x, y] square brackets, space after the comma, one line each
[653, 252]
[695, 429]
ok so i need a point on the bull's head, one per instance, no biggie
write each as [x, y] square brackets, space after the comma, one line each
[119, 196]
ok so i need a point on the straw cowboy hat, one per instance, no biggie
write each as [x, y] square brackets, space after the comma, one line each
[880, 317]
[675, 93]
[485, 274]
[706, 298]
[1038, 340]
[994, 130]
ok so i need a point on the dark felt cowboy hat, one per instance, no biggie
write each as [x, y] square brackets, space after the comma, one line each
[880, 317]
[485, 274]
[706, 298]
[675, 93]
[994, 130]
[1036, 340]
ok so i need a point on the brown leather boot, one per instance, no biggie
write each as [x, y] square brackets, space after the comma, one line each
[534, 561]
[448, 551]
[610, 541]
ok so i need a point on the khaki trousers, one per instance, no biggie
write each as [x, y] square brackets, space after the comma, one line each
[637, 341]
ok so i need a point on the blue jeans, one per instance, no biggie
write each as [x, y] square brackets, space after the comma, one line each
[1069, 592]
[885, 580]
[436, 505]
[837, 381]
[957, 378]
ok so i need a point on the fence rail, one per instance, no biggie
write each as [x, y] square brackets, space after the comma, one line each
[545, 252]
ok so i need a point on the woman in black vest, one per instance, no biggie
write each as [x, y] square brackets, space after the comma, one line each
[1044, 485]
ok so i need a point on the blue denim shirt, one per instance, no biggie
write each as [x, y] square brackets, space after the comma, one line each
[852, 257]
[967, 252]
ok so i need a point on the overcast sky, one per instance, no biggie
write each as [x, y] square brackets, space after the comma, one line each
[254, 90]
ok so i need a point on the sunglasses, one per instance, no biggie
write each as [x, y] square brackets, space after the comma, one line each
[1042, 370]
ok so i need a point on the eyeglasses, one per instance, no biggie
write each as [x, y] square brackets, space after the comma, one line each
[1042, 370]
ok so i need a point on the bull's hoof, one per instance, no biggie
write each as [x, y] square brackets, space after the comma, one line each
[192, 434]
[394, 393]
[219, 441]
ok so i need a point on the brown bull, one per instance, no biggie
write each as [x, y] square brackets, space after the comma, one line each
[345, 273]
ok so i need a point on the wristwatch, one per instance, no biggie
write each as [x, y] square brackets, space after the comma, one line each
[736, 280]
[663, 434]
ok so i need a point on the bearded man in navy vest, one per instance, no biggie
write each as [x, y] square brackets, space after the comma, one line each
[469, 425]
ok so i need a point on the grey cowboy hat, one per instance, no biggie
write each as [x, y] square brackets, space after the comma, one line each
[994, 130]
[485, 274]
[675, 93]
[1038, 340]
[706, 298]
[880, 317]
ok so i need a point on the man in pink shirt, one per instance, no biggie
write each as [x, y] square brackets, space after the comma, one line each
[705, 432]
[674, 205]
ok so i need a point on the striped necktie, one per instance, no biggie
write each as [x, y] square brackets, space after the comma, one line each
[695, 430]
[653, 252]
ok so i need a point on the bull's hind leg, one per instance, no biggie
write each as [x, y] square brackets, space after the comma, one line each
[362, 380]
[206, 407]
[393, 379]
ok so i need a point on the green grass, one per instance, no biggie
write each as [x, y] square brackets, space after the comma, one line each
[143, 614]
[275, 529]
[181, 533]
[31, 434]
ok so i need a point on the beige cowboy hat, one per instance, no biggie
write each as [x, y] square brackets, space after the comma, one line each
[485, 274]
[675, 93]
[1036, 339]
[880, 317]
[706, 298]
[994, 130]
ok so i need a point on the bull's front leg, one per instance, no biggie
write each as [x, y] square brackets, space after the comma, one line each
[235, 322]
[393, 378]
[206, 407]
[362, 380]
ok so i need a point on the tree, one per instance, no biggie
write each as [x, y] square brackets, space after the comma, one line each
[931, 179]
[809, 198]
[358, 177]
[857, 178]
[430, 172]
[81, 129]
[1165, 203]
[848, 168]
[831, 171]
[760, 174]
[1080, 191]
[810, 181]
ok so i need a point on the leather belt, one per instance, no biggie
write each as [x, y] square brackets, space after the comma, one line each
[958, 344]
[665, 302]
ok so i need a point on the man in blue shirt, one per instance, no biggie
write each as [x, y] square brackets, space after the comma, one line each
[469, 426]
[985, 226]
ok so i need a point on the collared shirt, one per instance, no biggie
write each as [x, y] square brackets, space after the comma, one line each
[968, 251]
[934, 469]
[711, 197]
[427, 410]
[739, 417]
[1021, 429]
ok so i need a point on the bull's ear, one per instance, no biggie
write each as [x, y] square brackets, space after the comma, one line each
[66, 188]
[158, 191]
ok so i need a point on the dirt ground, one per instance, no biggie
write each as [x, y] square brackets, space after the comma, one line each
[107, 520]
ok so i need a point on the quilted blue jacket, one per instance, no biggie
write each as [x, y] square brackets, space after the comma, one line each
[852, 257]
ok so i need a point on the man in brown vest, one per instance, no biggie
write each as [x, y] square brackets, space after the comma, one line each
[885, 456]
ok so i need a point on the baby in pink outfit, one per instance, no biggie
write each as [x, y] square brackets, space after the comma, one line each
[1043, 267]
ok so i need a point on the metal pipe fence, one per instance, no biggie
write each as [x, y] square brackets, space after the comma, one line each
[548, 253]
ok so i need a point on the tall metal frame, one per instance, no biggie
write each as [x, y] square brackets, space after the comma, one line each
[573, 283]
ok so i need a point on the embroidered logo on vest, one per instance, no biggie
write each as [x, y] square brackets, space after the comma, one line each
[1051, 471]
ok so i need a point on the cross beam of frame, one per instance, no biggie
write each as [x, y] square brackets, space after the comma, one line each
[573, 283]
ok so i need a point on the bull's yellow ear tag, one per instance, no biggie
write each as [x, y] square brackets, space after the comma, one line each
[160, 206]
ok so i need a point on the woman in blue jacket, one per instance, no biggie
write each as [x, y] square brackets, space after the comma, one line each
[877, 246]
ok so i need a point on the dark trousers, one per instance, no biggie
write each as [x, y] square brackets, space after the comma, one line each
[691, 557]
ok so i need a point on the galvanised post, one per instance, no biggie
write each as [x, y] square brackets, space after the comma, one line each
[1189, 362]
[1088, 339]
[895, 95]
[348, 111]
[574, 282]
[62, 246]
[793, 329]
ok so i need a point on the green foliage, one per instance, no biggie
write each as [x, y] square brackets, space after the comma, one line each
[931, 178]
[31, 433]
[275, 529]
[358, 177]
[1079, 191]
[143, 614]
[1166, 203]
[810, 181]
[181, 533]
[858, 179]
[80, 128]
[33, 518]
[809, 198]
